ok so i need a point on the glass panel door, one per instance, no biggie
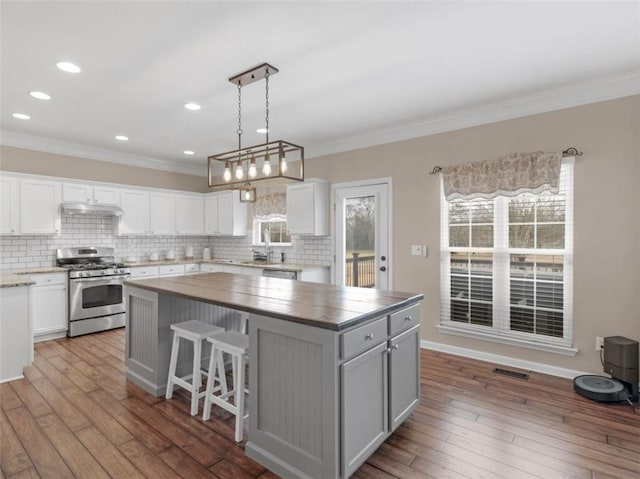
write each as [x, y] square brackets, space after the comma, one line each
[362, 257]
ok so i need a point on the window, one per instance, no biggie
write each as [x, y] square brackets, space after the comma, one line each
[277, 228]
[507, 266]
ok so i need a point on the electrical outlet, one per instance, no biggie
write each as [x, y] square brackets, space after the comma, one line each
[416, 250]
[425, 250]
[599, 343]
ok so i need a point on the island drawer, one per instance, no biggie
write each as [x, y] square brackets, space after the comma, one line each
[404, 319]
[364, 337]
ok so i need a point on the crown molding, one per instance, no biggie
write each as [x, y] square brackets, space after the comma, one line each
[61, 147]
[608, 88]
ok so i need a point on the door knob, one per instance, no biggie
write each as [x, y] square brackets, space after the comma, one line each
[383, 268]
[383, 258]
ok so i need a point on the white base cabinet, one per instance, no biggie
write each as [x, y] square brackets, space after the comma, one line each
[49, 306]
[16, 337]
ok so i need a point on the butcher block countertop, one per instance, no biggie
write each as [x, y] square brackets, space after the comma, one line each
[321, 305]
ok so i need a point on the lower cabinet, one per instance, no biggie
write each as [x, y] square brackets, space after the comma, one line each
[49, 305]
[364, 398]
[16, 338]
[328, 399]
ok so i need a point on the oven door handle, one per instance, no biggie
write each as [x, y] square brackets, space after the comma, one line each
[102, 278]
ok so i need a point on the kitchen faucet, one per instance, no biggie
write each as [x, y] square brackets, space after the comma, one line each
[266, 256]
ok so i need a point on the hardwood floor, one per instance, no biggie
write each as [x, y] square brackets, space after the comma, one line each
[75, 415]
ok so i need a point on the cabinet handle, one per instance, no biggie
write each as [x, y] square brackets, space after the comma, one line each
[369, 337]
[408, 318]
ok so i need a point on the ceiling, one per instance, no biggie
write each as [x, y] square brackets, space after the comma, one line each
[352, 74]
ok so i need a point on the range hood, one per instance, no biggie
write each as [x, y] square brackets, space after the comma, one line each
[73, 208]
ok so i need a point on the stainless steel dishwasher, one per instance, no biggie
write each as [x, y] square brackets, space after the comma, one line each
[280, 273]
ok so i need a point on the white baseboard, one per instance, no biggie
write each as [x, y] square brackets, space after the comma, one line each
[504, 360]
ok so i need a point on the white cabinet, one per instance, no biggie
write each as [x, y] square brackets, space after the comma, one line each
[16, 337]
[39, 207]
[308, 208]
[9, 209]
[78, 192]
[225, 215]
[135, 212]
[319, 275]
[171, 269]
[210, 268]
[142, 272]
[191, 268]
[49, 305]
[162, 213]
[189, 215]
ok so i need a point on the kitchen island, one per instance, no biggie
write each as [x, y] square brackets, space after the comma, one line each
[332, 370]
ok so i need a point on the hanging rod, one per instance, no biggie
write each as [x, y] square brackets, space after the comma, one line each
[571, 151]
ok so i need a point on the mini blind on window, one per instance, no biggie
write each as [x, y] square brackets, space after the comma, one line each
[507, 263]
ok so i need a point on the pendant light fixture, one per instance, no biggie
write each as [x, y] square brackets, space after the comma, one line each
[246, 168]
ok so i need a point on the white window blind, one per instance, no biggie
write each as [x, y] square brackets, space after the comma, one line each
[507, 264]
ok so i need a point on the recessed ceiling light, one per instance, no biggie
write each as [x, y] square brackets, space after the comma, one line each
[262, 130]
[40, 95]
[21, 116]
[192, 106]
[68, 67]
[189, 152]
[122, 138]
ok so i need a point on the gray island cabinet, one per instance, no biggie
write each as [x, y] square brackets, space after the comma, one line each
[332, 370]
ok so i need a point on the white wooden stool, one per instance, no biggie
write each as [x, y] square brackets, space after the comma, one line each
[196, 332]
[237, 346]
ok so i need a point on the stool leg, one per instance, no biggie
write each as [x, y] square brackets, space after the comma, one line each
[206, 412]
[196, 380]
[172, 364]
[239, 395]
[222, 376]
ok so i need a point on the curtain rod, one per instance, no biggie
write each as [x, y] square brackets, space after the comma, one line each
[571, 151]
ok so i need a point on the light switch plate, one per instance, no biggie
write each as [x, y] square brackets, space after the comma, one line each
[416, 250]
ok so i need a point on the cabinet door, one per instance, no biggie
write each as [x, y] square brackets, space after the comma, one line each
[404, 375]
[211, 215]
[189, 215]
[39, 207]
[77, 193]
[364, 393]
[300, 209]
[225, 214]
[135, 216]
[105, 195]
[162, 214]
[9, 206]
[49, 309]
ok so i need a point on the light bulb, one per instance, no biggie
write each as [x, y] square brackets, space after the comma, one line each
[266, 167]
[227, 172]
[283, 165]
[247, 195]
[253, 171]
[239, 171]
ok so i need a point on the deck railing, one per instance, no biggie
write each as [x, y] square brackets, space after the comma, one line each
[360, 271]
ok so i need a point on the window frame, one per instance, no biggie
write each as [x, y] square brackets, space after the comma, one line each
[500, 330]
[257, 228]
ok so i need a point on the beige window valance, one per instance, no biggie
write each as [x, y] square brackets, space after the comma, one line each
[510, 175]
[270, 206]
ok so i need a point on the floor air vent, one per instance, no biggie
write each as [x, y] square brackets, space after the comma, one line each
[513, 374]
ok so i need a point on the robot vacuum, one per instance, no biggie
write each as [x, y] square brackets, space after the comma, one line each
[600, 388]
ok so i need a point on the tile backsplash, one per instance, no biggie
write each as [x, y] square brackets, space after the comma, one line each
[27, 251]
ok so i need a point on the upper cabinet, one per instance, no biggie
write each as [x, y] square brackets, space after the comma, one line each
[160, 213]
[9, 210]
[135, 213]
[225, 215]
[78, 192]
[39, 207]
[189, 215]
[308, 208]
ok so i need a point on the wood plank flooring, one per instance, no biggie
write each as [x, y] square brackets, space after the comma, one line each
[75, 415]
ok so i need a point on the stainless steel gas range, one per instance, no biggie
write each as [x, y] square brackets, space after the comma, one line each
[95, 290]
